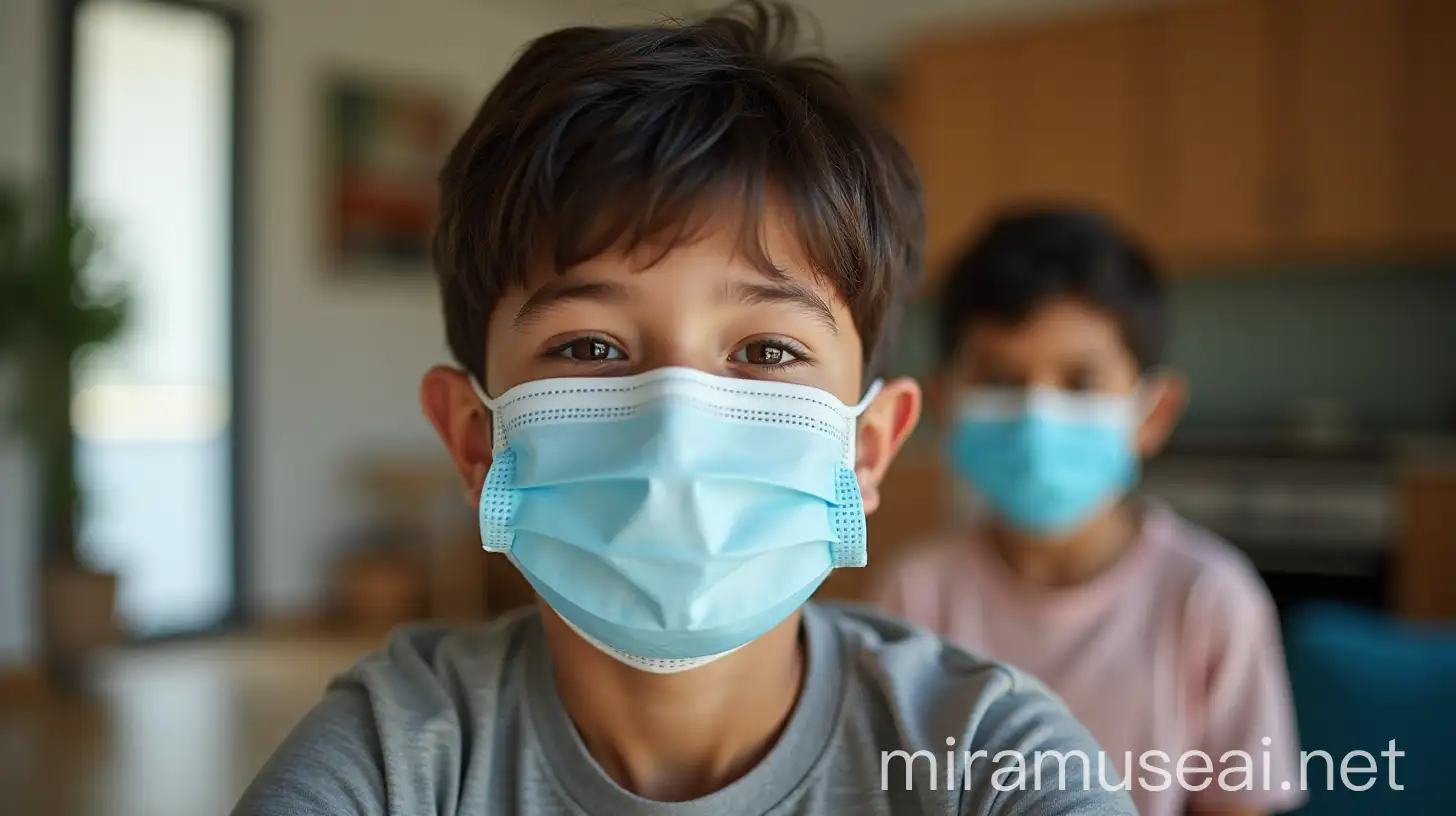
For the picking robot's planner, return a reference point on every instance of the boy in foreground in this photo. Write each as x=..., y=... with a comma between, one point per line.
x=1160, y=636
x=670, y=260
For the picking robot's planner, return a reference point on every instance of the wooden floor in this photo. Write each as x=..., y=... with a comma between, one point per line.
x=174, y=730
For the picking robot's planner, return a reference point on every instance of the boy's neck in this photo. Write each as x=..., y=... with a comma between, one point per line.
x=1072, y=559
x=676, y=737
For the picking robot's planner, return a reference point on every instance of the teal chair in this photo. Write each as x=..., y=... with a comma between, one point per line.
x=1361, y=680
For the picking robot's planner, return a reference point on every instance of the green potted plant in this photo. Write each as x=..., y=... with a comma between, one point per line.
x=51, y=313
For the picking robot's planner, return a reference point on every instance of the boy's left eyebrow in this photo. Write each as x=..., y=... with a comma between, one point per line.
x=561, y=290
x=785, y=291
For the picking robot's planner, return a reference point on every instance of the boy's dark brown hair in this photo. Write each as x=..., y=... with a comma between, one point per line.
x=1029, y=256
x=606, y=138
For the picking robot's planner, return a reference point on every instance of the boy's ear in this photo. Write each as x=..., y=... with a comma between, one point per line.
x=1165, y=396
x=883, y=428
x=461, y=422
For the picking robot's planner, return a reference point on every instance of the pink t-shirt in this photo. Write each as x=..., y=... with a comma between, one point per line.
x=1175, y=648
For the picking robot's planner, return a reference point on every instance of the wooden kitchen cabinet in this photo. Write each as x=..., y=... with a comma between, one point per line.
x=1281, y=128
x=1210, y=163
x=1218, y=131
x=1425, y=561
x=1429, y=156
x=1338, y=94
x=952, y=93
x=1077, y=120
x=1025, y=116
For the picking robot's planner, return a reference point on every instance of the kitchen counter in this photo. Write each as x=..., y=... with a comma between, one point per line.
x=1318, y=518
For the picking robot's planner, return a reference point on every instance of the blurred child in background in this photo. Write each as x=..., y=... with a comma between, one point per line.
x=1158, y=635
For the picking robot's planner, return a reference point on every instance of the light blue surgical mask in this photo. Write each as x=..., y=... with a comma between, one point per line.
x=673, y=516
x=1045, y=460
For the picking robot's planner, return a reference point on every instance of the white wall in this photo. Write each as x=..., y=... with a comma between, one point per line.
x=24, y=119
x=335, y=366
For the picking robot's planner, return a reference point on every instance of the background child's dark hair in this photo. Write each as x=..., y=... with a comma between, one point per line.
x=1028, y=257
x=603, y=138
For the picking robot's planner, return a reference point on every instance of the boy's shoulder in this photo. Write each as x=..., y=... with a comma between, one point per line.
x=929, y=682
x=431, y=690
x=941, y=700
x=925, y=566
x=1219, y=581
x=876, y=639
x=442, y=644
x=429, y=671
x=1198, y=551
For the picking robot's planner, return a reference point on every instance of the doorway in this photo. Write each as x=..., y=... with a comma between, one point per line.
x=151, y=153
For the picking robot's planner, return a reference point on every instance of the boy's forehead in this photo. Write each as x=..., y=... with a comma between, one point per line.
x=1061, y=322
x=683, y=278
x=721, y=248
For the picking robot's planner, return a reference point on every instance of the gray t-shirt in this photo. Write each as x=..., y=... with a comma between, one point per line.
x=467, y=721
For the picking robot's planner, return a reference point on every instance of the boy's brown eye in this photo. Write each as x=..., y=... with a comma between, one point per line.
x=589, y=349
x=769, y=354
x=1086, y=377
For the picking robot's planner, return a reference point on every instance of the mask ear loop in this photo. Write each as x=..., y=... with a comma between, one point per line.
x=855, y=411
x=496, y=440
x=869, y=397
x=480, y=393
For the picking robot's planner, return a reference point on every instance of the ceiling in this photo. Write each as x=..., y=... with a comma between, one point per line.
x=862, y=34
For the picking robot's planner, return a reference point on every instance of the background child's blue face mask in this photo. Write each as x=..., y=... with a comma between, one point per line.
x=673, y=516
x=1046, y=460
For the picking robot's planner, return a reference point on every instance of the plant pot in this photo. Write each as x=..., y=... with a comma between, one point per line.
x=79, y=616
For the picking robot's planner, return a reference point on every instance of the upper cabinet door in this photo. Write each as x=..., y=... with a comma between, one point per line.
x=1429, y=158
x=1074, y=118
x=1338, y=86
x=950, y=103
x=1209, y=164
x=1218, y=131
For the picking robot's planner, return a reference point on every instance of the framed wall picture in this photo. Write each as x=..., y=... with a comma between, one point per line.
x=385, y=146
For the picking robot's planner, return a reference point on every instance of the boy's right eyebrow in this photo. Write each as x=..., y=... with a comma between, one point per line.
x=562, y=290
